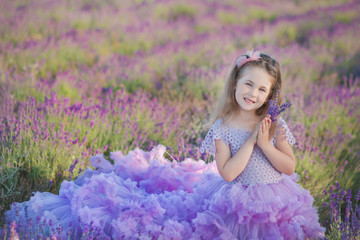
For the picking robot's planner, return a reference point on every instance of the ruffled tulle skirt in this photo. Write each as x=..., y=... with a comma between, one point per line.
x=145, y=196
x=263, y=211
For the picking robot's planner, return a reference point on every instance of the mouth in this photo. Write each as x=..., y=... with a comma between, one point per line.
x=248, y=101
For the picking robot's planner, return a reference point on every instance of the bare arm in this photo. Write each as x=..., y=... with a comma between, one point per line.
x=230, y=167
x=281, y=156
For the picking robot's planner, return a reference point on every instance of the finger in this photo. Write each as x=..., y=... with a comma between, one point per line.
x=265, y=124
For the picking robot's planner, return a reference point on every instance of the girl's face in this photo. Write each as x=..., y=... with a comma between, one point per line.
x=253, y=88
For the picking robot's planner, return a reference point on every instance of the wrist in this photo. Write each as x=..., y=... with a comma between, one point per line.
x=265, y=146
x=250, y=142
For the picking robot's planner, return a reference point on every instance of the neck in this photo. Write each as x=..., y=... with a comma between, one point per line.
x=246, y=116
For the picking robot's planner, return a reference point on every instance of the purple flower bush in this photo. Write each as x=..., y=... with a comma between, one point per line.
x=344, y=216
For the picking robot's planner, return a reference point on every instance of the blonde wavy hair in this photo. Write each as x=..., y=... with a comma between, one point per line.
x=227, y=104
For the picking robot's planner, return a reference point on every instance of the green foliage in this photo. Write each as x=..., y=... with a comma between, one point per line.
x=176, y=11
x=129, y=47
x=132, y=85
x=65, y=90
x=203, y=28
x=334, y=232
x=84, y=25
x=8, y=182
x=231, y=18
x=121, y=45
x=21, y=94
x=329, y=129
x=262, y=14
x=254, y=13
x=314, y=175
x=260, y=39
x=286, y=34
x=346, y=17
x=55, y=59
x=62, y=58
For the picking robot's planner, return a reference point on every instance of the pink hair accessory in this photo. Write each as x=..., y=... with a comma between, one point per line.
x=249, y=56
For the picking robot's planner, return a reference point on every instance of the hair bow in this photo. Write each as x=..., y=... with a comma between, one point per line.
x=249, y=56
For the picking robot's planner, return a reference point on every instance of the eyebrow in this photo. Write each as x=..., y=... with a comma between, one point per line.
x=253, y=83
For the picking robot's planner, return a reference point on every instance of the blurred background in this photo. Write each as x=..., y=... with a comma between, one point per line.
x=79, y=78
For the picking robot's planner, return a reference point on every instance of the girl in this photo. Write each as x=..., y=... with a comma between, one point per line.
x=253, y=154
x=242, y=195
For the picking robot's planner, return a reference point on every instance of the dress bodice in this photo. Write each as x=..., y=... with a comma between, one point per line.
x=259, y=169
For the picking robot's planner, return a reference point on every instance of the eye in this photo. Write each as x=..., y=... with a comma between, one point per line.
x=262, y=89
x=248, y=84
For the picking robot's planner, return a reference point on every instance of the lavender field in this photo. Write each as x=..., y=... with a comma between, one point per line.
x=80, y=78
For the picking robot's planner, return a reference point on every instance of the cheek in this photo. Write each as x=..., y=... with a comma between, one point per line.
x=238, y=96
x=263, y=97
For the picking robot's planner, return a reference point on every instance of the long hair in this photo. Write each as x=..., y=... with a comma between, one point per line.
x=227, y=104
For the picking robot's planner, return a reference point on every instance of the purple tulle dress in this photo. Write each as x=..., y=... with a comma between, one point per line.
x=145, y=196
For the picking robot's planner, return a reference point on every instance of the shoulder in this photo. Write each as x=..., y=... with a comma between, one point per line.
x=216, y=132
x=218, y=124
x=218, y=121
x=282, y=125
x=218, y=127
x=281, y=122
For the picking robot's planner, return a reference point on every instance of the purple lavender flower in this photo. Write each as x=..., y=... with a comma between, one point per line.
x=357, y=196
x=274, y=109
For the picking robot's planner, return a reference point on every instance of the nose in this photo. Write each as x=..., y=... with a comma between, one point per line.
x=252, y=92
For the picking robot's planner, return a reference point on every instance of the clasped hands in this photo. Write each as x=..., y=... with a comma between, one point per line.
x=260, y=135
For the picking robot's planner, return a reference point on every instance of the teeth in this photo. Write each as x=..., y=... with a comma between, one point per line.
x=248, y=100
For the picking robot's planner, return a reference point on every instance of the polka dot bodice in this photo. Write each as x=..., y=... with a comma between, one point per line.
x=258, y=169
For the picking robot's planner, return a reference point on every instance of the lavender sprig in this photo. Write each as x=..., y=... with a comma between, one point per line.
x=274, y=109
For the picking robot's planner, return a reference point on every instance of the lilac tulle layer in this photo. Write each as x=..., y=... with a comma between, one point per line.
x=263, y=211
x=145, y=196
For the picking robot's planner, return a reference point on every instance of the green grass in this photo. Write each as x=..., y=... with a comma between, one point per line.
x=346, y=17
x=173, y=12
x=286, y=34
x=262, y=14
x=231, y=18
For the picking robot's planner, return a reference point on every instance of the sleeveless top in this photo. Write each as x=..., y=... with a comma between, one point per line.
x=258, y=169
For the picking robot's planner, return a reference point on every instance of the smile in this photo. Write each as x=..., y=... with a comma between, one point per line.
x=248, y=101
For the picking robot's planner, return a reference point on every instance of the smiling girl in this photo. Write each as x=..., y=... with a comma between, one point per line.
x=259, y=199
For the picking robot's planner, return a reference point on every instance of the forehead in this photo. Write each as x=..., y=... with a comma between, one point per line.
x=257, y=75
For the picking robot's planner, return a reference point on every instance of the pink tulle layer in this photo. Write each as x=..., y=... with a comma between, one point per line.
x=145, y=196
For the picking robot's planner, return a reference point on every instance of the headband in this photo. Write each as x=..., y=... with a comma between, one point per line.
x=250, y=56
